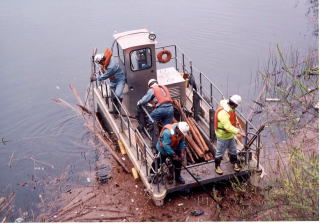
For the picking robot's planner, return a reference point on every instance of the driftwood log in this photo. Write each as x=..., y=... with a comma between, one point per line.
x=195, y=139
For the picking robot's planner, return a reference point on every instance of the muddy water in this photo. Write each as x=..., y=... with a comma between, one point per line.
x=45, y=45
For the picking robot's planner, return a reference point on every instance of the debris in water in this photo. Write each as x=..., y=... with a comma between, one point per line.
x=58, y=87
x=40, y=196
x=273, y=99
x=10, y=161
x=18, y=220
x=132, y=200
x=3, y=141
x=23, y=184
x=68, y=188
x=180, y=204
x=102, y=173
x=197, y=212
x=88, y=179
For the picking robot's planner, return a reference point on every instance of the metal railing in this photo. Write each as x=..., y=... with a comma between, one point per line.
x=143, y=151
x=207, y=91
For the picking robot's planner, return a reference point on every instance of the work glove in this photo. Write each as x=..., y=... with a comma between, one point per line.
x=241, y=134
x=93, y=78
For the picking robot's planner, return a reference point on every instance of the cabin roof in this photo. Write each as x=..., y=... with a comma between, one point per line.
x=133, y=38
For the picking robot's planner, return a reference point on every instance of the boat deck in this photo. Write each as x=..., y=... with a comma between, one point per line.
x=205, y=174
x=140, y=157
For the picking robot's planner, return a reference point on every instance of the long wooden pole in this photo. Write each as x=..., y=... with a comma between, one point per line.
x=113, y=153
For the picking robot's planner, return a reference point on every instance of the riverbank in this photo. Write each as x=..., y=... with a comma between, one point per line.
x=124, y=199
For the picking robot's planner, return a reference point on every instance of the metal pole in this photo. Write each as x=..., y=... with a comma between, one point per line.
x=200, y=78
x=258, y=152
x=183, y=69
x=211, y=125
x=147, y=113
x=129, y=132
x=137, y=148
x=211, y=94
x=175, y=56
x=245, y=143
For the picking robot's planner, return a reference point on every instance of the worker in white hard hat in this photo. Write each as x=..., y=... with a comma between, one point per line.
x=226, y=127
x=172, y=143
x=112, y=71
x=159, y=97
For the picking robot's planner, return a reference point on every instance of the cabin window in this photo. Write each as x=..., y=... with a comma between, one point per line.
x=140, y=59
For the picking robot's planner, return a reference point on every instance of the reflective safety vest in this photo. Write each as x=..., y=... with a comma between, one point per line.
x=107, y=55
x=232, y=118
x=174, y=139
x=161, y=93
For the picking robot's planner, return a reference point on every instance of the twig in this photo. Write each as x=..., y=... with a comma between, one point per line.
x=10, y=161
x=76, y=94
x=46, y=164
x=104, y=218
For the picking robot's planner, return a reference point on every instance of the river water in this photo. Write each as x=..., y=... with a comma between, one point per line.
x=46, y=45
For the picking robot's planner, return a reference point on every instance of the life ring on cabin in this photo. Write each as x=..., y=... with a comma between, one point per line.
x=167, y=57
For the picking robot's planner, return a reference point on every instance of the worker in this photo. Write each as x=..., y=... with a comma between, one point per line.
x=160, y=98
x=110, y=69
x=226, y=127
x=172, y=143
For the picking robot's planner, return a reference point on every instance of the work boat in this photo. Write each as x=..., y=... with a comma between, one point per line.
x=195, y=97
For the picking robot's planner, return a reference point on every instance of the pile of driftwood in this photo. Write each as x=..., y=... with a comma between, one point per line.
x=6, y=207
x=197, y=148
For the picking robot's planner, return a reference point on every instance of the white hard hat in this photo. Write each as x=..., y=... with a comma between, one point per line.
x=184, y=127
x=151, y=82
x=98, y=57
x=236, y=99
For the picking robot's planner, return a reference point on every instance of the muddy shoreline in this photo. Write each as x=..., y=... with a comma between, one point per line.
x=124, y=199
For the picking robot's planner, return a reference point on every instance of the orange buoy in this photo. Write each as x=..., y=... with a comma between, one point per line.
x=167, y=57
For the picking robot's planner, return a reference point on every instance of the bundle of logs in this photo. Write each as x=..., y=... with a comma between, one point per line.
x=197, y=148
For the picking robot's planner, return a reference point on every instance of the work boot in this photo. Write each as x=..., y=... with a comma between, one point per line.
x=217, y=162
x=179, y=178
x=236, y=167
x=235, y=162
x=114, y=106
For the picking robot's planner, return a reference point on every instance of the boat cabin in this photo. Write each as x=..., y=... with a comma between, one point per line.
x=137, y=57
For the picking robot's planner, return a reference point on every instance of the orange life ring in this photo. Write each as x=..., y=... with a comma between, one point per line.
x=167, y=57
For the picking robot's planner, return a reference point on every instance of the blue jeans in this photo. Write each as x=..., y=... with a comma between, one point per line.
x=163, y=114
x=118, y=87
x=223, y=145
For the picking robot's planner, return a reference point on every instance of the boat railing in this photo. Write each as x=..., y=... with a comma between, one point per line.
x=204, y=87
x=207, y=91
x=143, y=152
